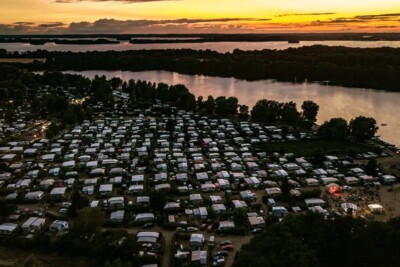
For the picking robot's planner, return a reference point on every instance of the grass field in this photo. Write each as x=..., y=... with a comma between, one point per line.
x=12, y=257
x=306, y=148
x=21, y=60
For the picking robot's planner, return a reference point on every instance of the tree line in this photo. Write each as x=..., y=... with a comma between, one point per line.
x=16, y=85
x=377, y=68
x=310, y=240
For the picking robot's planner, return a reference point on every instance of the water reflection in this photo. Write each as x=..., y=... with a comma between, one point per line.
x=334, y=101
x=216, y=46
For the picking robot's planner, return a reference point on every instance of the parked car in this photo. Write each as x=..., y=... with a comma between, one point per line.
x=256, y=231
x=63, y=211
x=218, y=261
x=191, y=229
x=66, y=205
x=228, y=247
x=221, y=253
x=226, y=242
x=180, y=229
x=147, y=225
x=182, y=254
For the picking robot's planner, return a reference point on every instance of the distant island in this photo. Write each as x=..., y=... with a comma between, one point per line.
x=42, y=41
x=194, y=38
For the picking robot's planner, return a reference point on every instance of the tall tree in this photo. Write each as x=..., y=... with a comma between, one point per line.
x=335, y=129
x=310, y=112
x=232, y=104
x=266, y=111
x=209, y=106
x=200, y=103
x=244, y=112
x=239, y=217
x=289, y=113
x=363, y=128
x=221, y=107
x=371, y=167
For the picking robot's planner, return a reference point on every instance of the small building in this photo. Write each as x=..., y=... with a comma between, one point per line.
x=279, y=212
x=351, y=180
x=59, y=226
x=312, y=182
x=33, y=224
x=136, y=189
x=252, y=182
x=375, y=208
x=58, y=192
x=388, y=179
x=207, y=187
x=196, y=199
x=199, y=257
x=117, y=216
x=106, y=189
x=201, y=176
x=8, y=228
x=256, y=222
x=311, y=202
x=239, y=204
x=201, y=213
x=159, y=187
x=196, y=240
x=144, y=217
x=34, y=196
x=147, y=237
x=226, y=226
x=116, y=202
x=218, y=208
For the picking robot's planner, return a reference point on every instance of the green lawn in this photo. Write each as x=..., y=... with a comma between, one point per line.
x=306, y=148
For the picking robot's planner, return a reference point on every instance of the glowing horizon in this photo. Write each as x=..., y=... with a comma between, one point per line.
x=197, y=16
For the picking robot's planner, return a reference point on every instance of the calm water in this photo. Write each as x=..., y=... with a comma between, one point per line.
x=334, y=101
x=219, y=46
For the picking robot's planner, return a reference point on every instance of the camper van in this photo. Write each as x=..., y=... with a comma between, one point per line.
x=211, y=241
x=271, y=202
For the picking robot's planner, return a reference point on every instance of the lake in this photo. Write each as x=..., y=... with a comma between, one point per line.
x=222, y=47
x=334, y=101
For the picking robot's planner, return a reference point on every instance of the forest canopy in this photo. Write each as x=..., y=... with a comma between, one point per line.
x=311, y=240
x=377, y=68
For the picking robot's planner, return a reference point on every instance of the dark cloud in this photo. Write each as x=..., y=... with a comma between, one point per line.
x=132, y=26
x=385, y=27
x=51, y=25
x=121, y=1
x=343, y=20
x=23, y=23
x=391, y=17
x=306, y=14
x=379, y=16
x=183, y=25
x=14, y=28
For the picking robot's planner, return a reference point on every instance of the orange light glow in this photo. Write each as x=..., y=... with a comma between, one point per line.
x=40, y=16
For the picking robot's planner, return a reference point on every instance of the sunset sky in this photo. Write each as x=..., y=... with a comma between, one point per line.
x=198, y=16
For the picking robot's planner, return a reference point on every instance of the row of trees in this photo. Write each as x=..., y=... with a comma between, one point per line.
x=270, y=111
x=265, y=111
x=360, y=128
x=56, y=104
